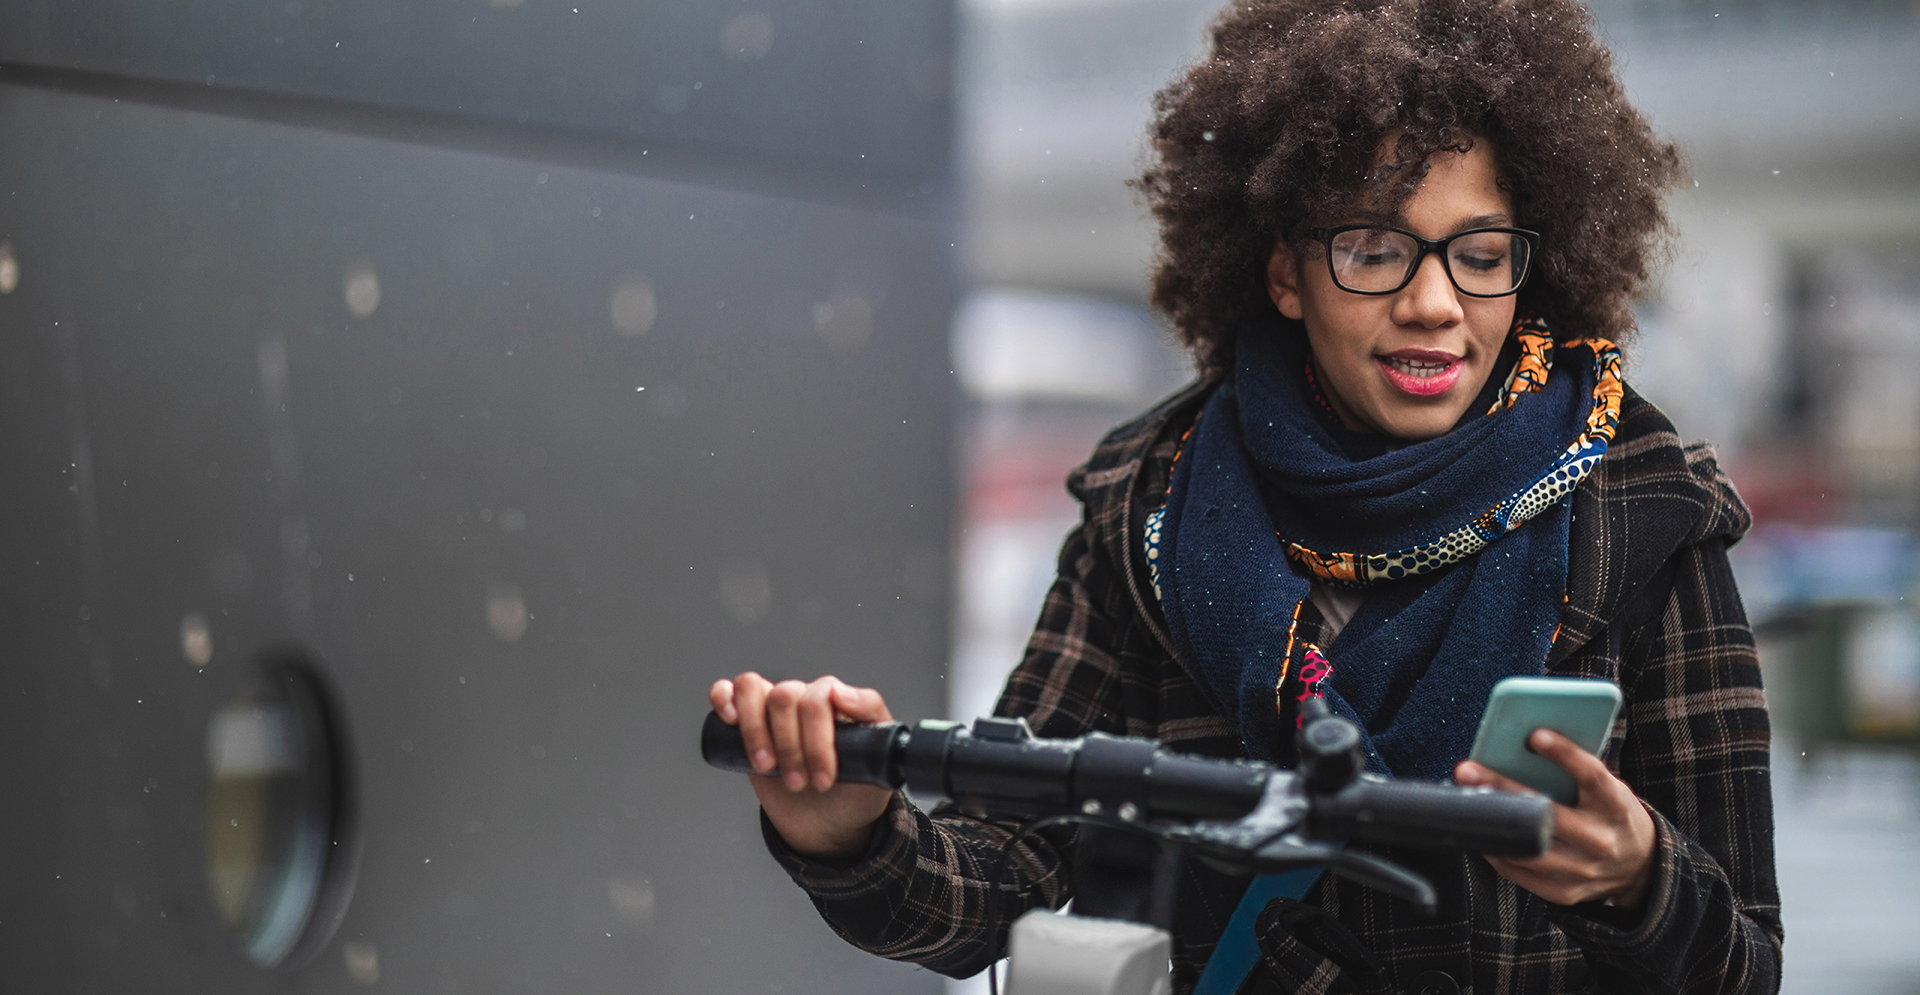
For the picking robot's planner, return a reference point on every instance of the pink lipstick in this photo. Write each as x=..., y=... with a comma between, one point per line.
x=1421, y=372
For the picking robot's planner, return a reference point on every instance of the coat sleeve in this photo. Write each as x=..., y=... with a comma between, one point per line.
x=920, y=891
x=1696, y=754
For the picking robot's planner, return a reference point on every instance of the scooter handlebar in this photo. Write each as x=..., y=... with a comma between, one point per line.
x=1000, y=768
x=1434, y=817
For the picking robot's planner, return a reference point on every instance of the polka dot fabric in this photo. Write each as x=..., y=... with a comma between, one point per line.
x=1155, y=519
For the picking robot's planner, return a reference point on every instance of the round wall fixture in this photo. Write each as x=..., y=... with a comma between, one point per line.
x=282, y=849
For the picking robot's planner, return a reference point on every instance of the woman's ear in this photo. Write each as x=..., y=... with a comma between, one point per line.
x=1283, y=281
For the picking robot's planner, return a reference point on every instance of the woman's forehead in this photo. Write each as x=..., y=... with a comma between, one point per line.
x=1460, y=190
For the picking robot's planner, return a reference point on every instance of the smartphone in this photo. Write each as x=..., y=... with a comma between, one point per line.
x=1579, y=708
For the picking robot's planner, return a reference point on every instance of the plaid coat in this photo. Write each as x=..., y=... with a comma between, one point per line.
x=1651, y=605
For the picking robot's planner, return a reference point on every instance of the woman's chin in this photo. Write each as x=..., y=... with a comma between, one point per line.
x=1428, y=421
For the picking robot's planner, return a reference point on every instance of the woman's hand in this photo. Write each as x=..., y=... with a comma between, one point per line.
x=1602, y=850
x=787, y=729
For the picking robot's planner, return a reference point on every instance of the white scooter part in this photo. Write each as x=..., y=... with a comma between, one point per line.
x=1052, y=954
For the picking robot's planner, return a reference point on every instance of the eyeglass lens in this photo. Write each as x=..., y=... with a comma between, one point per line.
x=1378, y=260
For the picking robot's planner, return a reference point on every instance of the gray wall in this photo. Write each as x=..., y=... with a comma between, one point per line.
x=518, y=569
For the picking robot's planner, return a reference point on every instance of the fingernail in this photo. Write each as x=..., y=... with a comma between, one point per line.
x=762, y=760
x=822, y=782
x=795, y=780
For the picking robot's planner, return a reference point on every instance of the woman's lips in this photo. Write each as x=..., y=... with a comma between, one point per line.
x=1421, y=373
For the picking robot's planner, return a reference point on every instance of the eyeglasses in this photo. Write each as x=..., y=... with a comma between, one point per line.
x=1481, y=262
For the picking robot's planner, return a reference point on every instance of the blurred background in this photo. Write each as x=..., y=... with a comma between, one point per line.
x=411, y=408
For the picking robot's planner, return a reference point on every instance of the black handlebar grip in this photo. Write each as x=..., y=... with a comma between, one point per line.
x=866, y=751
x=721, y=746
x=1436, y=817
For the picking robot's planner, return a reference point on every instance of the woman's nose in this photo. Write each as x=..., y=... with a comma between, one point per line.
x=1430, y=300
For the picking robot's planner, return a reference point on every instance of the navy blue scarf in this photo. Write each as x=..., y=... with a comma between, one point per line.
x=1459, y=541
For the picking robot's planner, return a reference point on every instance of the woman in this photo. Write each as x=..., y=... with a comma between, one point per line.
x=1401, y=238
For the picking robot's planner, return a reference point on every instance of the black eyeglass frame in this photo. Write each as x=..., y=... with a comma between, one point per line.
x=1325, y=236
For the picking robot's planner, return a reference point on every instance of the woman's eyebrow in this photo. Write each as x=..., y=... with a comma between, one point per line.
x=1397, y=220
x=1484, y=221
x=1400, y=221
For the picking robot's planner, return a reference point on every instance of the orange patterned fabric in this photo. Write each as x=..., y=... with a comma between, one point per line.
x=1536, y=361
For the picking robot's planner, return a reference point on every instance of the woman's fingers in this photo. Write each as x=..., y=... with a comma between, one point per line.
x=860, y=704
x=720, y=696
x=750, y=708
x=826, y=702
x=1591, y=776
x=1472, y=775
x=789, y=726
x=783, y=720
x=816, y=732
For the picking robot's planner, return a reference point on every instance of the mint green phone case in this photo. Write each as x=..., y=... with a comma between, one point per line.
x=1579, y=708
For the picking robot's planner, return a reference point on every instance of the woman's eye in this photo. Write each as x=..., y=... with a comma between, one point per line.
x=1379, y=257
x=1480, y=263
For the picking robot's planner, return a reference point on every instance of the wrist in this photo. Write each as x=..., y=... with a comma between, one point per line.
x=1634, y=894
x=831, y=845
x=834, y=827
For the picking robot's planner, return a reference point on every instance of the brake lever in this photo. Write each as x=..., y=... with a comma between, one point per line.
x=1362, y=868
x=1266, y=841
x=1282, y=809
